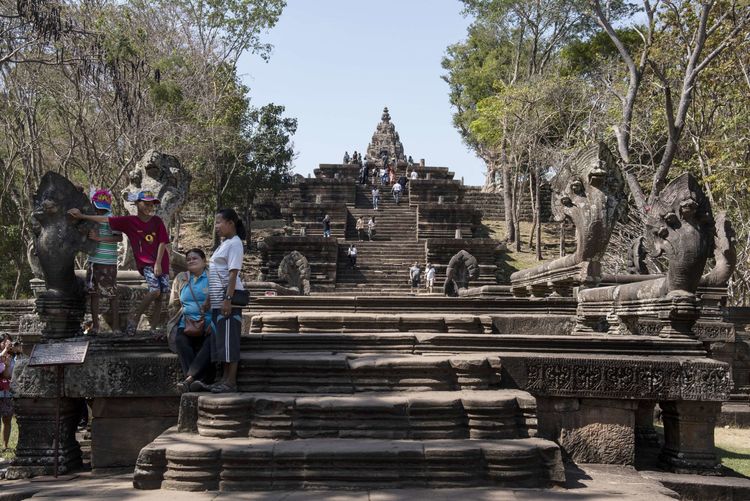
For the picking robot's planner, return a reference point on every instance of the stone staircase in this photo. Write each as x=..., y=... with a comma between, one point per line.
x=342, y=417
x=381, y=266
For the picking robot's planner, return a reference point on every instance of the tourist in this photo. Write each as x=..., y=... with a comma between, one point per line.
x=414, y=273
x=414, y=174
x=383, y=176
x=402, y=181
x=355, y=157
x=392, y=174
x=326, y=226
x=223, y=282
x=360, y=228
x=429, y=276
x=190, y=308
x=346, y=157
x=410, y=161
x=101, y=267
x=374, y=175
x=7, y=363
x=363, y=174
x=371, y=228
x=375, y=197
x=396, y=191
x=148, y=238
x=352, y=253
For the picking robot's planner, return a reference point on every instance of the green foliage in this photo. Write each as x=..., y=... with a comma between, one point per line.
x=585, y=57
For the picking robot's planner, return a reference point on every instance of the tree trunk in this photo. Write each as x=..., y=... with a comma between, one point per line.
x=538, y=216
x=510, y=227
x=532, y=201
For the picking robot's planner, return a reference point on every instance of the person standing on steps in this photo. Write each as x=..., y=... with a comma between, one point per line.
x=223, y=281
x=396, y=190
x=360, y=228
x=326, y=226
x=371, y=228
x=352, y=253
x=414, y=273
x=346, y=157
x=375, y=197
x=429, y=276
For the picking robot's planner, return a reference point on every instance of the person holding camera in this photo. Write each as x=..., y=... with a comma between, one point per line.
x=7, y=363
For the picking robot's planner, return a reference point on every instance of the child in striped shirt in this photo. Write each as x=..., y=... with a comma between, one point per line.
x=101, y=267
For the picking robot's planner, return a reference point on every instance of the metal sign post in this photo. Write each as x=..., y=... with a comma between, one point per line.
x=58, y=355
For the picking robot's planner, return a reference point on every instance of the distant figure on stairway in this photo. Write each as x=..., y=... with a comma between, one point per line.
x=352, y=253
x=384, y=176
x=402, y=181
x=429, y=276
x=414, y=174
x=360, y=228
x=410, y=161
x=371, y=228
x=327, y=226
x=396, y=191
x=414, y=274
x=355, y=158
x=392, y=174
x=346, y=157
x=364, y=173
x=375, y=197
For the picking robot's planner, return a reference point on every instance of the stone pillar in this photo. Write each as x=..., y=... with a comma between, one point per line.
x=36, y=437
x=689, y=437
x=590, y=430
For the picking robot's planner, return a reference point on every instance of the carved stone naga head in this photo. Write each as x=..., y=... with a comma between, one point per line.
x=590, y=191
x=57, y=238
x=680, y=228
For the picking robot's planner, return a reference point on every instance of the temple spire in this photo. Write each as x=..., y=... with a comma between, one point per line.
x=385, y=140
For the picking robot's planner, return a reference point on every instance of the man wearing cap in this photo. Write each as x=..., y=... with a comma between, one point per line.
x=148, y=238
x=101, y=267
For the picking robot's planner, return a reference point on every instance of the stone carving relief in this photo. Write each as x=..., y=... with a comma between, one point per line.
x=679, y=228
x=462, y=268
x=295, y=271
x=57, y=240
x=589, y=191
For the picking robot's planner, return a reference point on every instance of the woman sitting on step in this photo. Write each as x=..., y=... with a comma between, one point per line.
x=190, y=318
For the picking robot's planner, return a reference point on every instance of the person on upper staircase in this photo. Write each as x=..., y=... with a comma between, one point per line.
x=346, y=157
x=396, y=191
x=371, y=228
x=360, y=228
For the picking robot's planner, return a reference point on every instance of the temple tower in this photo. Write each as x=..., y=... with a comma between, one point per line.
x=385, y=140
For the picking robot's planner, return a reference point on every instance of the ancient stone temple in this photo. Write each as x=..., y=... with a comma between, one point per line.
x=346, y=381
x=385, y=140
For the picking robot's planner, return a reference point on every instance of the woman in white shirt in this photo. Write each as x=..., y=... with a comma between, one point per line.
x=223, y=281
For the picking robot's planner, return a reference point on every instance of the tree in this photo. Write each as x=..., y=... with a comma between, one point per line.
x=694, y=26
x=508, y=43
x=267, y=159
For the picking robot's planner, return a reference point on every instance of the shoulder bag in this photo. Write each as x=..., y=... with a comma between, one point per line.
x=194, y=327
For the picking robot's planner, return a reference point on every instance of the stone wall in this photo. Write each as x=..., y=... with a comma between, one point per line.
x=441, y=220
x=491, y=205
x=320, y=252
x=310, y=217
x=423, y=191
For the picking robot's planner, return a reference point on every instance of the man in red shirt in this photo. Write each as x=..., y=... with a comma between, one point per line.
x=148, y=238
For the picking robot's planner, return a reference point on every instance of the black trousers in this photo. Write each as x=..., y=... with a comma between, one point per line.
x=194, y=353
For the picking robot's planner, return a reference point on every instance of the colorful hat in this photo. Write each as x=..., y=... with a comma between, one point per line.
x=102, y=199
x=146, y=196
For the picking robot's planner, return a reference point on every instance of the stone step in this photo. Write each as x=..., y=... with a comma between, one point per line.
x=188, y=462
x=338, y=373
x=389, y=321
x=498, y=414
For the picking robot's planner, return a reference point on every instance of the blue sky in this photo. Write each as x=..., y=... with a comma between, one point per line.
x=337, y=63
